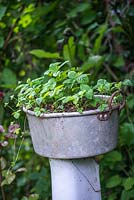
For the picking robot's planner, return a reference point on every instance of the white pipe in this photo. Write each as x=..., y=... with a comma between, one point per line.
x=76, y=179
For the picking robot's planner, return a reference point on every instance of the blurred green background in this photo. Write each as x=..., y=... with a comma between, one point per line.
x=98, y=37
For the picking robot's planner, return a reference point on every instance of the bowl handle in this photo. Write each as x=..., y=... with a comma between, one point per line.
x=121, y=105
x=106, y=114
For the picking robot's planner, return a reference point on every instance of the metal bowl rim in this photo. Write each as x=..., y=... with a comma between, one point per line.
x=72, y=114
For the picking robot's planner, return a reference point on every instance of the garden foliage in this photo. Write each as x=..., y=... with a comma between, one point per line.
x=98, y=37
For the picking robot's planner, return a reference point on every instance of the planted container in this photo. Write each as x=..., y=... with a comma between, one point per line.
x=75, y=135
x=68, y=116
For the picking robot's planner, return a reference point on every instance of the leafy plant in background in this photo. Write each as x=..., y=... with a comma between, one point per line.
x=8, y=175
x=102, y=38
x=9, y=169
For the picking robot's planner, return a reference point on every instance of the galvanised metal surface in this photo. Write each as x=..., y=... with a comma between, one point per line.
x=73, y=135
x=76, y=179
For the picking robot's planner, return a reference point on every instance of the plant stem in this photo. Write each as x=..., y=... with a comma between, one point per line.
x=3, y=193
x=14, y=151
x=2, y=188
x=19, y=150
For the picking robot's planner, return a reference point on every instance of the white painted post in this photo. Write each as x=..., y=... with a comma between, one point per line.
x=76, y=179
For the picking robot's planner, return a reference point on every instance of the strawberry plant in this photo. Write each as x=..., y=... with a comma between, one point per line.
x=63, y=89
